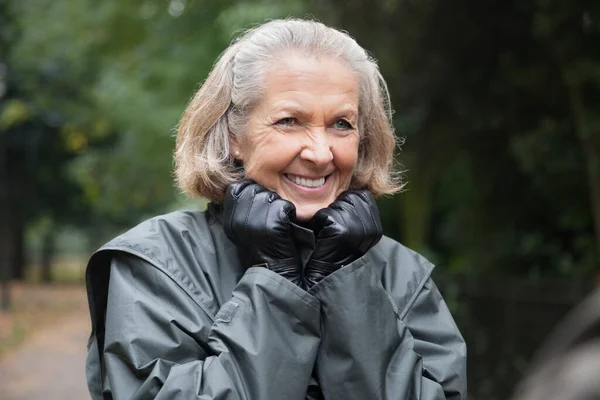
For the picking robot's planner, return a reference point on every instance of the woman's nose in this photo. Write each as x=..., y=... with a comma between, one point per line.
x=317, y=149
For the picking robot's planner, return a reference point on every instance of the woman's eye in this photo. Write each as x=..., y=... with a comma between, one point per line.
x=289, y=121
x=343, y=125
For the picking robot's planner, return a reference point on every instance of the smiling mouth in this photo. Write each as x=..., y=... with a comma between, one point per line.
x=306, y=182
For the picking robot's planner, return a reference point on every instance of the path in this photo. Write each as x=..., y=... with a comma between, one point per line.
x=51, y=364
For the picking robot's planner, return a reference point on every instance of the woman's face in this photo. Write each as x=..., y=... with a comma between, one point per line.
x=302, y=138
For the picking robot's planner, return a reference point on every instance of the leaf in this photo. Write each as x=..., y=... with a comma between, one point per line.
x=15, y=112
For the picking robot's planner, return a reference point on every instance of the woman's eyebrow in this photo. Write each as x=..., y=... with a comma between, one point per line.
x=287, y=106
x=293, y=108
x=346, y=111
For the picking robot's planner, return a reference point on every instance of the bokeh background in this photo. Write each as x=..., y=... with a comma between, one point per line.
x=497, y=103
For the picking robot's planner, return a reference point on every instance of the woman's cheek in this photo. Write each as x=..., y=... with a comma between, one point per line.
x=347, y=156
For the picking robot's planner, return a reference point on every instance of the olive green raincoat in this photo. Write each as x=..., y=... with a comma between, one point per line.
x=176, y=316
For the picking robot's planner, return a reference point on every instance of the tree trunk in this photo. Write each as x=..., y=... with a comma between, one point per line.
x=589, y=141
x=47, y=256
x=416, y=206
x=18, y=259
x=590, y=148
x=5, y=273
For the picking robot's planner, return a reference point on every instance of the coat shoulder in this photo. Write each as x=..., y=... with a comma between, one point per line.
x=189, y=247
x=159, y=238
x=405, y=271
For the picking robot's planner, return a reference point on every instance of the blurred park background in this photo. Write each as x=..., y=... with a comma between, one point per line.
x=497, y=101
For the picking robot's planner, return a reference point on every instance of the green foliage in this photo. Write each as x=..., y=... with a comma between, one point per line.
x=499, y=116
x=498, y=104
x=119, y=76
x=13, y=113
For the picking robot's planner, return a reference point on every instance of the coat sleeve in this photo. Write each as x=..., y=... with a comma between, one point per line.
x=159, y=345
x=373, y=348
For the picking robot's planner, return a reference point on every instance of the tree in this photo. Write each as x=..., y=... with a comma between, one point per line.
x=482, y=103
x=99, y=95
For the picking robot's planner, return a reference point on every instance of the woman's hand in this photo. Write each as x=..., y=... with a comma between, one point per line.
x=258, y=222
x=345, y=231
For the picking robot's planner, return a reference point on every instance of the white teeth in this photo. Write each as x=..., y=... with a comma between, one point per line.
x=311, y=183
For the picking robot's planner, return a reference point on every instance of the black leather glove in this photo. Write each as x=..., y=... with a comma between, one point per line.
x=258, y=222
x=345, y=231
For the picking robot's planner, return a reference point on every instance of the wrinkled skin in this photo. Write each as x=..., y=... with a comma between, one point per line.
x=305, y=126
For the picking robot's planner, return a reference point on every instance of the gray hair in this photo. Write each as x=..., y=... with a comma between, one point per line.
x=221, y=107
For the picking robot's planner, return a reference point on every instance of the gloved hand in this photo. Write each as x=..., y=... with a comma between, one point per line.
x=345, y=231
x=258, y=222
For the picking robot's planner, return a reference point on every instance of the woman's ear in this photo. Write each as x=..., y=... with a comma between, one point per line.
x=234, y=149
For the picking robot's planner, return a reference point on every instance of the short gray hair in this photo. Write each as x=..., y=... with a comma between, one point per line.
x=221, y=107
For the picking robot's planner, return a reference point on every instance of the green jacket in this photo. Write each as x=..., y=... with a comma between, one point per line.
x=176, y=316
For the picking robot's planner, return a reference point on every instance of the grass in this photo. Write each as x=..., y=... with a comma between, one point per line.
x=67, y=269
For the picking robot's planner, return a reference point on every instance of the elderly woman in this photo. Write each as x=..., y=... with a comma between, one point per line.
x=285, y=287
